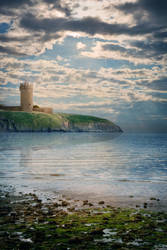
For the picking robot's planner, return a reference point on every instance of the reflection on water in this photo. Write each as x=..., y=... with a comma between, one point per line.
x=87, y=163
x=20, y=140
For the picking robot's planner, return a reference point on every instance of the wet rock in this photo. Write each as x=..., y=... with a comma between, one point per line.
x=25, y=245
x=85, y=202
x=105, y=218
x=4, y=211
x=101, y=202
x=97, y=231
x=138, y=217
x=41, y=219
x=4, y=234
x=71, y=209
x=75, y=240
x=38, y=205
x=65, y=203
x=38, y=236
x=90, y=204
x=117, y=245
x=52, y=222
x=153, y=199
x=56, y=204
x=62, y=213
x=8, y=219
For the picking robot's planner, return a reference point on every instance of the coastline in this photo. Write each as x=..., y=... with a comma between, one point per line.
x=20, y=121
x=150, y=203
x=80, y=215
x=65, y=223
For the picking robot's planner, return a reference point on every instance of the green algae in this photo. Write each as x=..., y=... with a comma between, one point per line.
x=27, y=223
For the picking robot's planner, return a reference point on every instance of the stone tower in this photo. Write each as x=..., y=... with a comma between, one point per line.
x=26, y=97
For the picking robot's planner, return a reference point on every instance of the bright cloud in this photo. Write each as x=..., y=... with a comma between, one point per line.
x=81, y=46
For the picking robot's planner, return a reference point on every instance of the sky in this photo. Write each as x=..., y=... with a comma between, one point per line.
x=105, y=58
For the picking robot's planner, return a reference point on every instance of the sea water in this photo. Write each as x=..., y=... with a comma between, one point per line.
x=91, y=164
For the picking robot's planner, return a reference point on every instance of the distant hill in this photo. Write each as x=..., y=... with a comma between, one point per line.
x=17, y=121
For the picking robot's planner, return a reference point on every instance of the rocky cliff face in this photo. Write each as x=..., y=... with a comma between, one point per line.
x=7, y=125
x=92, y=127
x=36, y=122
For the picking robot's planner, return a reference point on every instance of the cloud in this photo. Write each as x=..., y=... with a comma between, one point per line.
x=45, y=27
x=13, y=4
x=53, y=80
x=147, y=12
x=59, y=5
x=9, y=5
x=21, y=41
x=159, y=84
x=155, y=8
x=117, y=52
x=80, y=46
x=11, y=51
x=87, y=25
x=148, y=48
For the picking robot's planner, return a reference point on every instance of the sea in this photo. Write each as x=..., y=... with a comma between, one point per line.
x=89, y=165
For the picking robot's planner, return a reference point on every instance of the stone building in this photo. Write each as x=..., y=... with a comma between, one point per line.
x=26, y=101
x=26, y=97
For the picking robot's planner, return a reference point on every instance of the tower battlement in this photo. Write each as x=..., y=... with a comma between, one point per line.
x=26, y=85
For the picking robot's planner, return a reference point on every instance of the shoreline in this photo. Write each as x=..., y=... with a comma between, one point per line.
x=151, y=203
x=65, y=223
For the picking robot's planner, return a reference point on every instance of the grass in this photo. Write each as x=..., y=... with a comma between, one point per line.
x=35, y=120
x=38, y=121
x=75, y=118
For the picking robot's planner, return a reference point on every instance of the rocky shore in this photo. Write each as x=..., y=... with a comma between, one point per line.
x=26, y=222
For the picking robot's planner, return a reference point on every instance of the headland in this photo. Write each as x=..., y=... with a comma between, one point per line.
x=20, y=121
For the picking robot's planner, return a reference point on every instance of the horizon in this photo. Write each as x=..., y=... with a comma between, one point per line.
x=101, y=58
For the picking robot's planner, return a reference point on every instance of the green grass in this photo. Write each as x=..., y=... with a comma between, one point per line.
x=75, y=118
x=38, y=121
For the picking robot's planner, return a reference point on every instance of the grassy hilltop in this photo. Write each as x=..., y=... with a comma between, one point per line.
x=38, y=121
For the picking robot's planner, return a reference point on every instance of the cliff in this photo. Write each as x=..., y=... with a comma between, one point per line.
x=16, y=121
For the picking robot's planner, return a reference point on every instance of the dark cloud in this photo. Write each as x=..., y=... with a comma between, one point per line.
x=126, y=53
x=88, y=25
x=160, y=84
x=141, y=49
x=58, y=5
x=7, y=6
x=114, y=47
x=10, y=51
x=147, y=12
x=160, y=35
x=156, y=9
x=13, y=4
x=5, y=38
x=151, y=48
x=153, y=7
